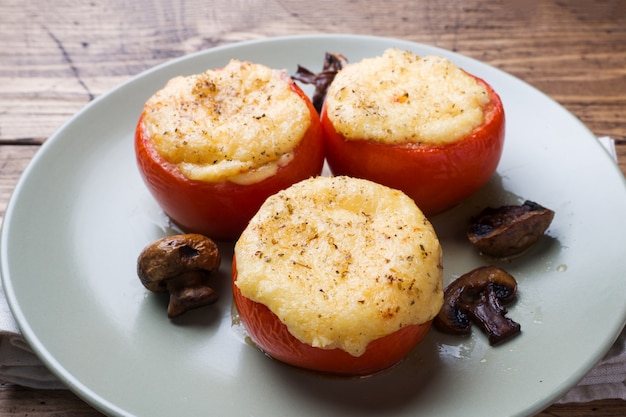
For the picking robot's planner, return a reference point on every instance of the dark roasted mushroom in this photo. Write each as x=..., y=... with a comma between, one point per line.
x=180, y=265
x=479, y=296
x=333, y=63
x=509, y=230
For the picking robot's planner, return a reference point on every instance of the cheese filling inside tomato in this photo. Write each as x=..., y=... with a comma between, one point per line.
x=240, y=123
x=341, y=262
x=400, y=97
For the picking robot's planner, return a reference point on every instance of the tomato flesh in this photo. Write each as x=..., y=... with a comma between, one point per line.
x=273, y=338
x=436, y=177
x=221, y=210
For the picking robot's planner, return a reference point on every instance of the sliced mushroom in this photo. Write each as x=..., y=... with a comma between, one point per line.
x=180, y=265
x=333, y=63
x=509, y=230
x=479, y=296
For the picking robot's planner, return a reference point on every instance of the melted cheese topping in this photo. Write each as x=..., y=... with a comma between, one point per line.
x=239, y=123
x=341, y=261
x=400, y=97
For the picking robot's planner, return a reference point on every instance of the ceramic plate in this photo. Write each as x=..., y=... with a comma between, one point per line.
x=80, y=215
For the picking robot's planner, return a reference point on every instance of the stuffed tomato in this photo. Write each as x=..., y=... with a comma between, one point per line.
x=273, y=338
x=212, y=147
x=338, y=275
x=421, y=125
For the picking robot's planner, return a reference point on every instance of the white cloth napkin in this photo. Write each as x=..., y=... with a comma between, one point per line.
x=19, y=365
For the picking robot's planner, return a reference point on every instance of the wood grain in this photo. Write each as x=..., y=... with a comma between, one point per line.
x=70, y=52
x=16, y=401
x=56, y=57
x=19, y=401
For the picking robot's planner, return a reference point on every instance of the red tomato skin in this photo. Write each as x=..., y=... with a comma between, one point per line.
x=274, y=339
x=436, y=177
x=221, y=210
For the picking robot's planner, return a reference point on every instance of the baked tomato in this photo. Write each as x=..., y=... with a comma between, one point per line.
x=274, y=339
x=221, y=209
x=437, y=177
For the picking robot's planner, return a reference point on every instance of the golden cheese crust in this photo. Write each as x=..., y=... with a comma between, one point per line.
x=239, y=123
x=342, y=262
x=400, y=97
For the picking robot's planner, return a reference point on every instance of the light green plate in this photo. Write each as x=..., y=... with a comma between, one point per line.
x=80, y=215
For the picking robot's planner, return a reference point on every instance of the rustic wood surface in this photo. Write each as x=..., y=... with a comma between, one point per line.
x=55, y=57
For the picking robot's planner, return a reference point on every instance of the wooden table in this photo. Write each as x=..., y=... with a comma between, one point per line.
x=57, y=56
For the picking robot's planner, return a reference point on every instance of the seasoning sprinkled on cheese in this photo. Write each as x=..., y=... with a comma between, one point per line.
x=400, y=97
x=342, y=262
x=239, y=123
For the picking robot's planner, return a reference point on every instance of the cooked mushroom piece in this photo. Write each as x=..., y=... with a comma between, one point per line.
x=479, y=296
x=509, y=230
x=333, y=63
x=180, y=265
